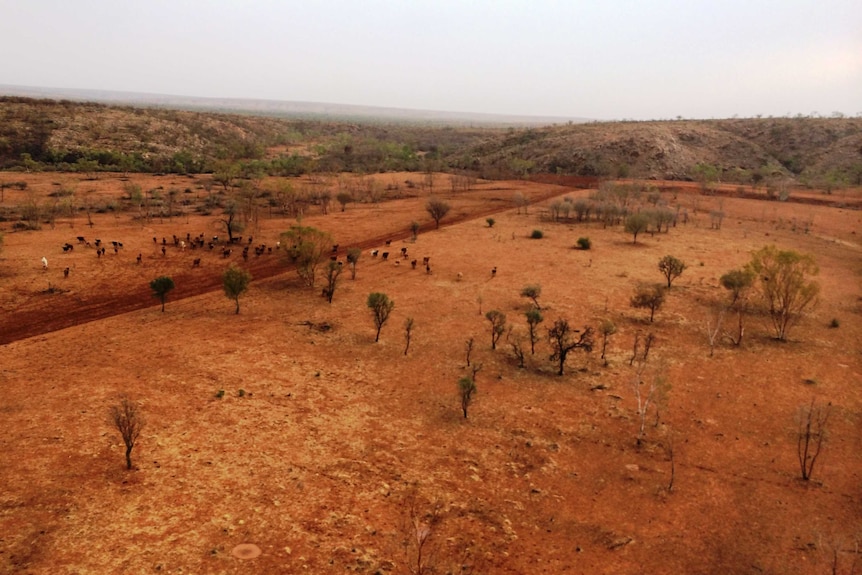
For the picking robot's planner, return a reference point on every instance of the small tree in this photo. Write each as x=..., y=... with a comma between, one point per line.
x=307, y=248
x=787, y=291
x=650, y=297
x=532, y=292
x=498, y=325
x=607, y=329
x=161, y=286
x=438, y=209
x=584, y=243
x=408, y=333
x=353, y=255
x=129, y=422
x=333, y=270
x=635, y=224
x=564, y=339
x=468, y=349
x=466, y=389
x=811, y=432
x=381, y=306
x=235, y=282
x=516, y=342
x=534, y=318
x=490, y=222
x=414, y=230
x=344, y=198
x=671, y=268
x=737, y=282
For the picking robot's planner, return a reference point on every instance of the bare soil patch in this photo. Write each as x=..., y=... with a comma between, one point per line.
x=328, y=451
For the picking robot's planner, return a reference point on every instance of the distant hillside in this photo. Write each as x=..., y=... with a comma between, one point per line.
x=286, y=109
x=66, y=135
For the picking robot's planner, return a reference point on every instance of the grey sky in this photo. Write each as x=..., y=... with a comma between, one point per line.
x=598, y=59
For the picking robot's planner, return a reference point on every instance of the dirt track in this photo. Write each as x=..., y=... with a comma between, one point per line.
x=34, y=320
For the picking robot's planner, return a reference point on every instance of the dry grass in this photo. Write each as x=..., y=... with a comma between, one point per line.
x=337, y=438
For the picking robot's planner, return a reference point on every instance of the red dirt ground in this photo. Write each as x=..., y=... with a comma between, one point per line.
x=335, y=439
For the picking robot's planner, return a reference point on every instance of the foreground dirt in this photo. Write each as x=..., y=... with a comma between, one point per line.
x=324, y=441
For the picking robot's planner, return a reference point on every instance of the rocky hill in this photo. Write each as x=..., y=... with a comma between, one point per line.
x=65, y=135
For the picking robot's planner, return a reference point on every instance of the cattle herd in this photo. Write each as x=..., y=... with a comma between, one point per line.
x=202, y=243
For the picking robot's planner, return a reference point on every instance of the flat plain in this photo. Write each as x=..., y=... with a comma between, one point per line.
x=333, y=453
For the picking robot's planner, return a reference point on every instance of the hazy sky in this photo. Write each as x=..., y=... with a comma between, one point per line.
x=601, y=59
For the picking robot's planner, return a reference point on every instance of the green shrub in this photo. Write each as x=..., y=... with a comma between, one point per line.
x=490, y=222
x=220, y=394
x=537, y=235
x=834, y=323
x=584, y=243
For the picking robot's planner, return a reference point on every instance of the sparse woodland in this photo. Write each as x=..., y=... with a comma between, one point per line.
x=611, y=395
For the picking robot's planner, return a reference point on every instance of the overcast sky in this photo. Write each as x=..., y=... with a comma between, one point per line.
x=600, y=59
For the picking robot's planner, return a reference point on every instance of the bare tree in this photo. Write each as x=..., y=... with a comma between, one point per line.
x=438, y=209
x=712, y=332
x=516, y=342
x=307, y=247
x=129, y=422
x=607, y=329
x=650, y=297
x=408, y=333
x=564, y=339
x=468, y=348
x=498, y=325
x=333, y=270
x=811, y=433
x=466, y=389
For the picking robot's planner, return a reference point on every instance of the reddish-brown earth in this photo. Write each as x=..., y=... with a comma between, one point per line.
x=335, y=438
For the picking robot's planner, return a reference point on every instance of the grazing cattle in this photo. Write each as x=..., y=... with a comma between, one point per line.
x=164, y=251
x=385, y=256
x=397, y=263
x=117, y=245
x=196, y=263
x=215, y=239
x=269, y=250
x=226, y=252
x=404, y=253
x=66, y=273
x=155, y=241
x=335, y=249
x=81, y=239
x=374, y=253
x=99, y=253
x=98, y=242
x=278, y=245
x=494, y=271
x=460, y=276
x=250, y=240
x=182, y=245
x=335, y=258
x=427, y=269
x=388, y=242
x=164, y=241
x=413, y=264
x=44, y=263
x=245, y=253
x=139, y=258
x=68, y=247
x=425, y=260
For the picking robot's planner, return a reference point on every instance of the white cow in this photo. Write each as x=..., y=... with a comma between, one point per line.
x=44, y=263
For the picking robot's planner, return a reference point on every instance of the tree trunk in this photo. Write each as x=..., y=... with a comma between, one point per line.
x=128, y=457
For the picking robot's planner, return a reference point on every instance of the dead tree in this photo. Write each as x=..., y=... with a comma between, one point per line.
x=564, y=339
x=129, y=422
x=811, y=433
